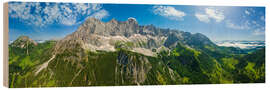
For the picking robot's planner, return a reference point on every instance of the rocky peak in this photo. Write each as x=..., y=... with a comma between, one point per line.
x=202, y=39
x=132, y=20
x=23, y=42
x=110, y=28
x=113, y=21
x=97, y=35
x=91, y=20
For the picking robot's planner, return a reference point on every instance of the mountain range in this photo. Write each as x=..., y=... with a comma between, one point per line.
x=126, y=53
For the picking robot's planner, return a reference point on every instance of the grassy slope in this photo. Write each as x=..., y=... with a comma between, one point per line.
x=20, y=64
x=180, y=66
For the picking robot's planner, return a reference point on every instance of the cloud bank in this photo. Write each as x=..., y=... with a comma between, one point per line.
x=210, y=14
x=42, y=14
x=169, y=12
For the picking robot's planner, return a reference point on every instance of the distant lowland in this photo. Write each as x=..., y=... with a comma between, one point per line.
x=244, y=44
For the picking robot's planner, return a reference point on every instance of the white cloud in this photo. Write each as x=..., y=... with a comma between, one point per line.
x=100, y=14
x=259, y=31
x=254, y=22
x=169, y=12
x=210, y=14
x=239, y=44
x=215, y=14
x=49, y=13
x=262, y=18
x=20, y=9
x=247, y=25
x=68, y=20
x=243, y=26
x=247, y=12
x=202, y=17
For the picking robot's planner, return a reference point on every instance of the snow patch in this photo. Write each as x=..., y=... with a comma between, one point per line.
x=44, y=65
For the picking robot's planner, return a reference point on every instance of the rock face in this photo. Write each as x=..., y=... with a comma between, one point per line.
x=95, y=35
x=129, y=68
x=125, y=67
x=23, y=42
x=115, y=53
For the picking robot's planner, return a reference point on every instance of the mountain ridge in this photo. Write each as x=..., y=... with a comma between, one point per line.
x=125, y=53
x=94, y=35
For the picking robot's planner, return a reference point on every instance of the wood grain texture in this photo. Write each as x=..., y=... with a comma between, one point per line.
x=5, y=37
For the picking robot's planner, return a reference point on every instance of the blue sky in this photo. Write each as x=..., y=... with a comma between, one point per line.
x=45, y=21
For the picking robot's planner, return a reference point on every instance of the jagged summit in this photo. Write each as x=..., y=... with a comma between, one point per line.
x=91, y=19
x=132, y=20
x=94, y=35
x=113, y=20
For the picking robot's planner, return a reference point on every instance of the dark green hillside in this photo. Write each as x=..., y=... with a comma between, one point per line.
x=103, y=68
x=21, y=62
x=196, y=66
x=182, y=65
x=252, y=67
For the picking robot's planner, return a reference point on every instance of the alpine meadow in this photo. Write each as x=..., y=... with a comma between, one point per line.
x=88, y=44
